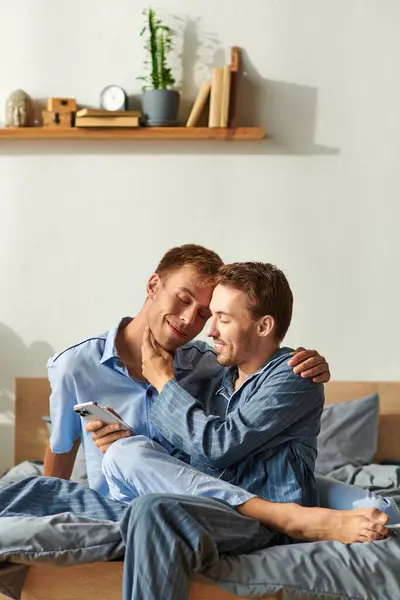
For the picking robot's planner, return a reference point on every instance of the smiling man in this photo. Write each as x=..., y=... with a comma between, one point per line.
x=248, y=438
x=254, y=425
x=107, y=368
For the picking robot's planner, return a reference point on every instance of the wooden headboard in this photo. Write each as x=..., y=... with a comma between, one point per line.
x=32, y=403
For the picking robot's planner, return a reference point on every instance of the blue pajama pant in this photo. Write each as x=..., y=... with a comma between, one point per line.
x=170, y=538
x=137, y=466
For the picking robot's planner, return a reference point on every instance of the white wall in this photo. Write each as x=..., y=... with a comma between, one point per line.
x=82, y=225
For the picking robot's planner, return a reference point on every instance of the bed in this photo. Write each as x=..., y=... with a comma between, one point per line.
x=103, y=580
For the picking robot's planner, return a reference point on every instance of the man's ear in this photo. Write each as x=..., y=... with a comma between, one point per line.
x=265, y=326
x=152, y=286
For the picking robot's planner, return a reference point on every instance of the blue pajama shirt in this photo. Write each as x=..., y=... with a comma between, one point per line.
x=92, y=371
x=260, y=438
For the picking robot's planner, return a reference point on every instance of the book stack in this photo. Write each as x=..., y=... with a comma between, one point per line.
x=219, y=91
x=92, y=117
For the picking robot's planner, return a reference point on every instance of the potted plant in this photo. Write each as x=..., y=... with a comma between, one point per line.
x=159, y=103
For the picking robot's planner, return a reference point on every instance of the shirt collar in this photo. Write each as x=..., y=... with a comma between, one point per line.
x=228, y=380
x=181, y=358
x=231, y=373
x=110, y=351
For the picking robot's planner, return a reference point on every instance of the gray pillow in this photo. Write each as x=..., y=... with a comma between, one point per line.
x=349, y=434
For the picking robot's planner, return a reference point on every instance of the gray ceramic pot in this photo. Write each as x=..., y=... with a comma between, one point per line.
x=160, y=107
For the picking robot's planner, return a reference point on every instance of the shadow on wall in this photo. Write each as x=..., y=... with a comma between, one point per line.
x=288, y=111
x=201, y=51
x=16, y=360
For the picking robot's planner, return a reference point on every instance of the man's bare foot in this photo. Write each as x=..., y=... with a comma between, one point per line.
x=347, y=526
x=318, y=524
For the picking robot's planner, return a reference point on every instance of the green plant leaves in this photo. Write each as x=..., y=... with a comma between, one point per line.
x=158, y=44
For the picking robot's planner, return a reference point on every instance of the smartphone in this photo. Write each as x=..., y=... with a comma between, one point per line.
x=93, y=411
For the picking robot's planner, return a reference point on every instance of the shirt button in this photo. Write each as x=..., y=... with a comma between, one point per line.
x=120, y=364
x=149, y=392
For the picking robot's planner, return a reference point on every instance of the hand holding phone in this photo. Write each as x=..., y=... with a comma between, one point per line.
x=93, y=411
x=106, y=427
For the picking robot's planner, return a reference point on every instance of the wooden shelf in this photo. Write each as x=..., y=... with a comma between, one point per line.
x=140, y=133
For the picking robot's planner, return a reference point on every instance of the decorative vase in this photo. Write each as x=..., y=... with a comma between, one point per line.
x=160, y=108
x=19, y=109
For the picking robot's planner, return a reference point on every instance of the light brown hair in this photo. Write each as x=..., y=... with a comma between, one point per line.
x=267, y=289
x=206, y=262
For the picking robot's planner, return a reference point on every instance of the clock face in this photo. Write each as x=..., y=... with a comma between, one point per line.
x=113, y=97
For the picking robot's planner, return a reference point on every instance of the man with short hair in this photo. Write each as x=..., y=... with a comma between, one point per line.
x=108, y=368
x=256, y=428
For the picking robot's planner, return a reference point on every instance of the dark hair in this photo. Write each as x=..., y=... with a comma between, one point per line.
x=267, y=289
x=206, y=262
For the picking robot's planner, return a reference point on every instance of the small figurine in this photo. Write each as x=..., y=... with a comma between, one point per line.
x=19, y=109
